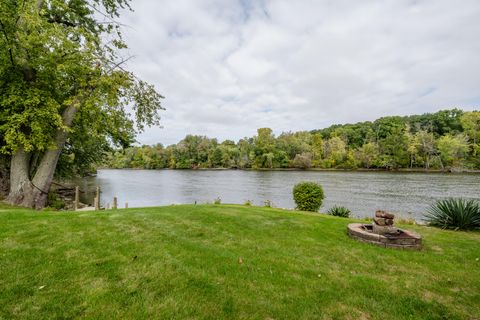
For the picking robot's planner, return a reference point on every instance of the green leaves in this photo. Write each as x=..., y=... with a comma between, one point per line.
x=339, y=211
x=308, y=196
x=452, y=149
x=454, y=213
x=29, y=120
x=54, y=53
x=471, y=124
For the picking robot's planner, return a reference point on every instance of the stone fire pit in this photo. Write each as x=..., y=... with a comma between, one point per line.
x=383, y=233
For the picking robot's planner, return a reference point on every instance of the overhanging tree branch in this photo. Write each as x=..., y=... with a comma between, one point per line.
x=4, y=31
x=58, y=20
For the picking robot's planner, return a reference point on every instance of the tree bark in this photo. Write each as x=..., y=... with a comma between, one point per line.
x=4, y=176
x=33, y=193
x=20, y=186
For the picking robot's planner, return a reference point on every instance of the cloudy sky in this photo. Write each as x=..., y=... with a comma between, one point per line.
x=228, y=67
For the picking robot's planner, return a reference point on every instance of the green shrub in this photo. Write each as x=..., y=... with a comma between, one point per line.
x=303, y=161
x=339, y=211
x=308, y=196
x=248, y=203
x=54, y=201
x=455, y=213
x=217, y=201
x=267, y=204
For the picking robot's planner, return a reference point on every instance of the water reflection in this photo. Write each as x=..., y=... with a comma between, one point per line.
x=407, y=194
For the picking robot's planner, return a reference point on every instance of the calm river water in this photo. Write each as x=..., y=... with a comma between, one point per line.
x=407, y=194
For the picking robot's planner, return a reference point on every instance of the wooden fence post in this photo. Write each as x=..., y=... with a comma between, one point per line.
x=126, y=205
x=77, y=198
x=97, y=199
x=115, y=203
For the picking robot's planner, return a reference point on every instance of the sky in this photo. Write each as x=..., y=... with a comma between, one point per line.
x=228, y=67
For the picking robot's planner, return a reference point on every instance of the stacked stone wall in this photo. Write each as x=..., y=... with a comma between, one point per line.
x=407, y=239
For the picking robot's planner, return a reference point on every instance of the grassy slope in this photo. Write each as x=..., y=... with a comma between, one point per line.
x=184, y=262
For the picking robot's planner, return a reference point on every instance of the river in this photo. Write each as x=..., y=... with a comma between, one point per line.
x=409, y=195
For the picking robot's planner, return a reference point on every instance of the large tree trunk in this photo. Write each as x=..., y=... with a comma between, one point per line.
x=33, y=192
x=20, y=186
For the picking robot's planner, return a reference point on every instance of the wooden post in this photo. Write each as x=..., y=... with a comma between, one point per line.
x=77, y=198
x=115, y=202
x=97, y=204
x=126, y=205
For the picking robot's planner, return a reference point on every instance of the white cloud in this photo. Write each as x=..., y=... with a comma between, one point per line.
x=230, y=67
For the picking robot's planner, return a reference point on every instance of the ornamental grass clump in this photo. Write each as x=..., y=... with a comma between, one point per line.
x=339, y=211
x=455, y=213
x=308, y=196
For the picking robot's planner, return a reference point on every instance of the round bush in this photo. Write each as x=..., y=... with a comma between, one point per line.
x=308, y=196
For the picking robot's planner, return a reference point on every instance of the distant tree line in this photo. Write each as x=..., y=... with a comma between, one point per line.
x=443, y=140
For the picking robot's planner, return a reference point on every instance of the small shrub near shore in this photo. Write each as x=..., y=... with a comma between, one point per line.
x=339, y=211
x=308, y=196
x=54, y=201
x=455, y=213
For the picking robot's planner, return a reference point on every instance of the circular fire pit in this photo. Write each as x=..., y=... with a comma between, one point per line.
x=382, y=233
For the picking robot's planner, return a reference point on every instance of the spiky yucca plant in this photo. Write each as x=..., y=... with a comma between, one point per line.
x=339, y=211
x=455, y=213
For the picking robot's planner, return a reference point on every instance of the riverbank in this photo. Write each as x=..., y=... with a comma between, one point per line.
x=225, y=262
x=407, y=195
x=399, y=170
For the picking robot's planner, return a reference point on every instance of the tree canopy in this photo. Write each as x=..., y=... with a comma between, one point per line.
x=63, y=87
x=443, y=140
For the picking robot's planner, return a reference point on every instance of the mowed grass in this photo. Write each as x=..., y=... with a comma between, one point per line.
x=226, y=262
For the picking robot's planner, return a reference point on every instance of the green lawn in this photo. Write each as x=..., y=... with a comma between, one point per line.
x=226, y=262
